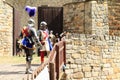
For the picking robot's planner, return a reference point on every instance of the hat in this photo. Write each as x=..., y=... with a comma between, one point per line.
x=31, y=22
x=43, y=23
x=30, y=10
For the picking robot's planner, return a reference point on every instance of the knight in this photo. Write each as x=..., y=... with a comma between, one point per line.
x=29, y=38
x=43, y=34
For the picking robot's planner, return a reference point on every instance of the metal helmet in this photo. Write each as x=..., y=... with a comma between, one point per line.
x=31, y=22
x=43, y=23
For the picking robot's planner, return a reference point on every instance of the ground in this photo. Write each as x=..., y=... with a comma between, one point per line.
x=13, y=68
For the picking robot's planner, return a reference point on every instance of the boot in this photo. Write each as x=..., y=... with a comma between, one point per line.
x=28, y=68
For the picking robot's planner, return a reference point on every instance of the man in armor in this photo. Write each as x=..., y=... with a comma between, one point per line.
x=43, y=34
x=29, y=39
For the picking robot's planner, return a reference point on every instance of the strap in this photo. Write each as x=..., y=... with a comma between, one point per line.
x=25, y=31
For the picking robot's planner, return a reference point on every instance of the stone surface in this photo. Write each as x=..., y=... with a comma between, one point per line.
x=6, y=29
x=94, y=55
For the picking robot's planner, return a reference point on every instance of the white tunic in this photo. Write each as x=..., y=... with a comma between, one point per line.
x=44, y=38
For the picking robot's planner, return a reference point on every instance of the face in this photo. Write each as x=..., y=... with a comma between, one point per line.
x=43, y=27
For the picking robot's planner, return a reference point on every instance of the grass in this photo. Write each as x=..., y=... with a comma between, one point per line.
x=17, y=59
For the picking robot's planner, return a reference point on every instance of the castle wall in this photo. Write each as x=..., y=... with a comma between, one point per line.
x=114, y=17
x=94, y=56
x=6, y=29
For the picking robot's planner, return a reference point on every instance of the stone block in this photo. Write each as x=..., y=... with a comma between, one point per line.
x=69, y=71
x=75, y=56
x=88, y=74
x=79, y=61
x=82, y=51
x=70, y=51
x=70, y=61
x=73, y=66
x=95, y=74
x=116, y=70
x=86, y=68
x=76, y=70
x=107, y=65
x=68, y=56
x=78, y=75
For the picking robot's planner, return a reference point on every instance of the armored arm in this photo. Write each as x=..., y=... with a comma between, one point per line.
x=35, y=37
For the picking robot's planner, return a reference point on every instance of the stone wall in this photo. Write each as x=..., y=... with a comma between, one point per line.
x=114, y=17
x=6, y=29
x=94, y=56
x=74, y=17
x=75, y=5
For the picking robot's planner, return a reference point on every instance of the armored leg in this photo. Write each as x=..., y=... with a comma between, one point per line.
x=28, y=68
x=28, y=61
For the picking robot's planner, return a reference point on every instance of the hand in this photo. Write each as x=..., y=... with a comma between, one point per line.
x=43, y=43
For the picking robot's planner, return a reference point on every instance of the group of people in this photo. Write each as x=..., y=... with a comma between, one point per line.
x=32, y=38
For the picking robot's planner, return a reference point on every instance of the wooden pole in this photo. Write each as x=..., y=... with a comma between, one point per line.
x=57, y=62
x=52, y=71
x=64, y=53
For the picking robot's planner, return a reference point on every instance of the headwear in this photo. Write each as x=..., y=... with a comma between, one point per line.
x=31, y=22
x=43, y=23
x=30, y=10
x=51, y=31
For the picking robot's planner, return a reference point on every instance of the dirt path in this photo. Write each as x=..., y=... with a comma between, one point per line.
x=14, y=71
x=13, y=68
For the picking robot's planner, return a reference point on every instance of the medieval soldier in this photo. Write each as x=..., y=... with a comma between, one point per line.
x=30, y=39
x=43, y=34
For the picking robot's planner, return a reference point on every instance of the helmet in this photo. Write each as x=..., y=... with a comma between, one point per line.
x=31, y=22
x=43, y=23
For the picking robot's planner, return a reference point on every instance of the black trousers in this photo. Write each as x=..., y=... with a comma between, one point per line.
x=29, y=53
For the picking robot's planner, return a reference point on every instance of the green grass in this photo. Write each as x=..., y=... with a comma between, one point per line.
x=17, y=59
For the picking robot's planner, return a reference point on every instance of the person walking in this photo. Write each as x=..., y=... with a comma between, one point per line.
x=57, y=38
x=52, y=38
x=63, y=35
x=29, y=38
x=44, y=39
